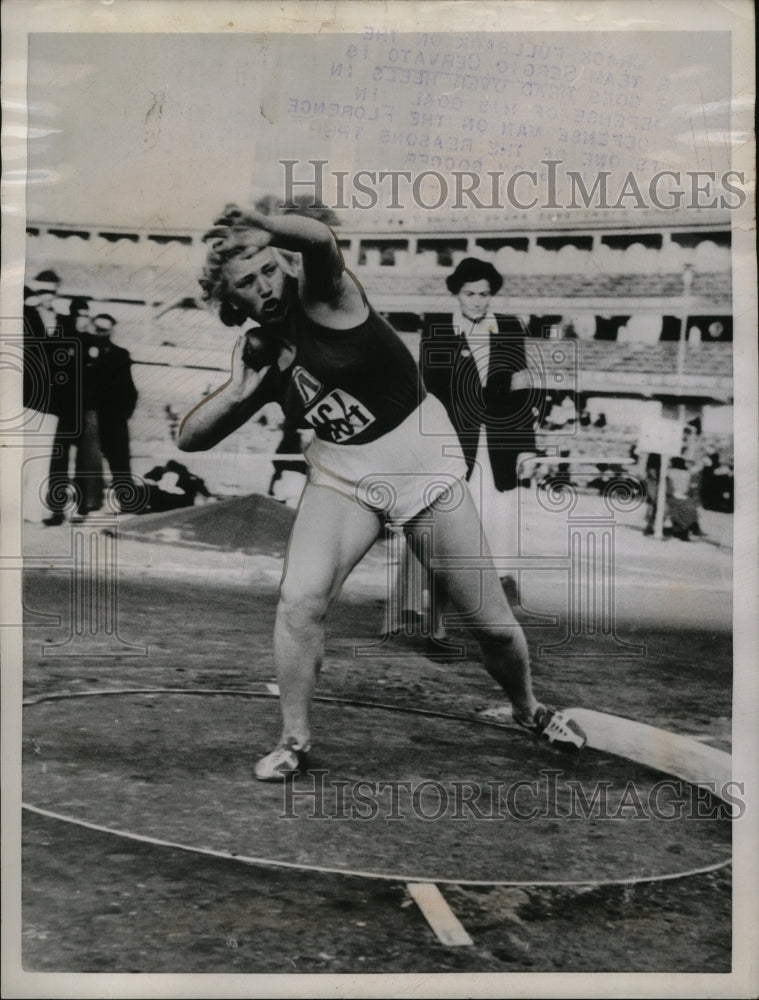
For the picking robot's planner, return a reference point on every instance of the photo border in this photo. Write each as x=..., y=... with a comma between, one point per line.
x=22, y=17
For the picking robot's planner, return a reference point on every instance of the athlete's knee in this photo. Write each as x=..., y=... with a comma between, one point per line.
x=301, y=608
x=497, y=636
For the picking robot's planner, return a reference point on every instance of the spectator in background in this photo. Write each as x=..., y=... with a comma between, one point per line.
x=681, y=507
x=173, y=419
x=651, y=481
x=172, y=487
x=717, y=484
x=691, y=443
x=474, y=361
x=41, y=326
x=726, y=481
x=709, y=465
x=76, y=424
x=40, y=309
x=36, y=382
x=681, y=515
x=113, y=396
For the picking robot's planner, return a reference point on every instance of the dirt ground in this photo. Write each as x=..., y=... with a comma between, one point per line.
x=93, y=902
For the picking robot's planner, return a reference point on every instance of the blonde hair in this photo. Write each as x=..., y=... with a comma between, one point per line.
x=225, y=242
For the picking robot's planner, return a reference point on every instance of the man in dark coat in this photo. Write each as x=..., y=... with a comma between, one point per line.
x=54, y=378
x=42, y=328
x=113, y=396
x=77, y=422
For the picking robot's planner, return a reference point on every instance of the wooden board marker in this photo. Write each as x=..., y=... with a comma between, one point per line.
x=438, y=914
x=681, y=756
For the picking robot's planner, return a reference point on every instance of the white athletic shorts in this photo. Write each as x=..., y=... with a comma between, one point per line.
x=399, y=474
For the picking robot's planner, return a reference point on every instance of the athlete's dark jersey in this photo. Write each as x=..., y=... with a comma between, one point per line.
x=352, y=386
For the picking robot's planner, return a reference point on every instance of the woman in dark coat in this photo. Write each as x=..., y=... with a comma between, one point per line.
x=474, y=361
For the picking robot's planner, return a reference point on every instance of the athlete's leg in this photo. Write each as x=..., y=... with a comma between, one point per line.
x=451, y=532
x=330, y=535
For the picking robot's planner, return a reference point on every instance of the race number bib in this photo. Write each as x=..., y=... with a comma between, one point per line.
x=340, y=415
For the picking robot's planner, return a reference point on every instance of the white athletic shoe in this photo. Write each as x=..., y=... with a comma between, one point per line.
x=554, y=727
x=284, y=761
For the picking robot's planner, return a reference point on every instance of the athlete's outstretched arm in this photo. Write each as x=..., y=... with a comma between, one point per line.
x=227, y=409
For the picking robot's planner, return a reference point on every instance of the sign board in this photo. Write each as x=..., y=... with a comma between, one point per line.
x=662, y=435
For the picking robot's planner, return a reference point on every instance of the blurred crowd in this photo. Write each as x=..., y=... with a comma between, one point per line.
x=74, y=372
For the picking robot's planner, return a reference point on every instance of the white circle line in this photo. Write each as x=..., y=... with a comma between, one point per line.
x=322, y=869
x=357, y=873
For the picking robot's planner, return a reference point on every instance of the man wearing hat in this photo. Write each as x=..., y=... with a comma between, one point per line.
x=41, y=322
x=55, y=348
x=113, y=397
x=52, y=381
x=45, y=289
x=76, y=426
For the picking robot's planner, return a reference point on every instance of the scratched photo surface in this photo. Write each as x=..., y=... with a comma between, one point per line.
x=595, y=172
